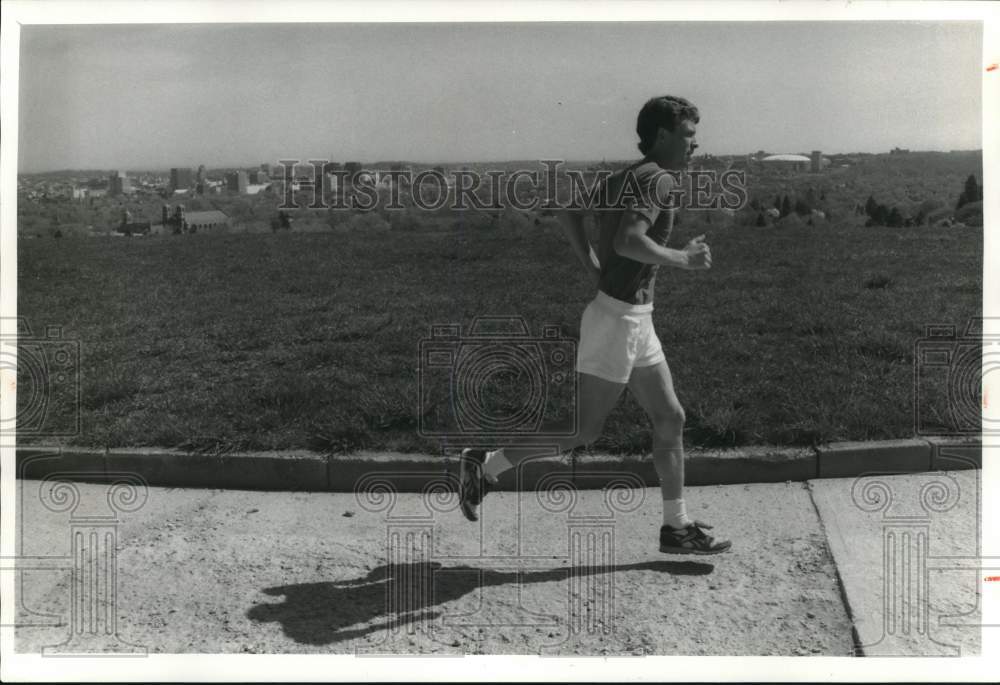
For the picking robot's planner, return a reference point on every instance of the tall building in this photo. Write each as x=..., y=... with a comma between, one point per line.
x=200, y=181
x=816, y=161
x=236, y=181
x=180, y=179
x=119, y=183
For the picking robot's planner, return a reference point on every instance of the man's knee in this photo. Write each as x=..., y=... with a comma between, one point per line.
x=669, y=419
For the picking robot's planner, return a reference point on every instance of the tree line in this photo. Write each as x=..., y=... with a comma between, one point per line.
x=892, y=217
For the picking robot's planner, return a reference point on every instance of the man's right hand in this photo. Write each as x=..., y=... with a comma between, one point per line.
x=698, y=254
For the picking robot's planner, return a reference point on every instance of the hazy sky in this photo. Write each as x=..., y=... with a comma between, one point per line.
x=140, y=97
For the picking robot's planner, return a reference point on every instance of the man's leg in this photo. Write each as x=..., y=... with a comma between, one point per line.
x=653, y=387
x=596, y=397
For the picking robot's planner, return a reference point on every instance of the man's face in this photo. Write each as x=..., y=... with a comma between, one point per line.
x=680, y=144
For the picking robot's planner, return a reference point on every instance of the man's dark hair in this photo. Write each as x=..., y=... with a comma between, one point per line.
x=666, y=111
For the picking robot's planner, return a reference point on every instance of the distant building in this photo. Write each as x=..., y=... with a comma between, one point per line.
x=795, y=162
x=180, y=179
x=200, y=181
x=211, y=220
x=259, y=177
x=899, y=151
x=816, y=161
x=129, y=227
x=786, y=162
x=119, y=183
x=330, y=184
x=180, y=221
x=237, y=181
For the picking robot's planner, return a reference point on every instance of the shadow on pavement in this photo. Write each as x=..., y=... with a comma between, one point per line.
x=320, y=613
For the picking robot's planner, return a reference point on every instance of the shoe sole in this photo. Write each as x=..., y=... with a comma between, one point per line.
x=688, y=550
x=469, y=514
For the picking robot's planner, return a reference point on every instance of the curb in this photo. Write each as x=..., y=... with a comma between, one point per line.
x=312, y=471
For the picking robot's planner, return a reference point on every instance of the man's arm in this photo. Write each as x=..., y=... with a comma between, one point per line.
x=576, y=232
x=632, y=242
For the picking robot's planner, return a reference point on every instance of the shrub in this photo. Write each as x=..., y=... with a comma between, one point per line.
x=973, y=192
x=877, y=281
x=936, y=215
x=925, y=209
x=790, y=220
x=971, y=213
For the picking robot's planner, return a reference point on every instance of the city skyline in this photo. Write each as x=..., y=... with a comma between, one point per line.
x=153, y=97
x=371, y=165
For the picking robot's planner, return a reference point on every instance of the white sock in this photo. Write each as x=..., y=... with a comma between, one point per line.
x=675, y=514
x=495, y=464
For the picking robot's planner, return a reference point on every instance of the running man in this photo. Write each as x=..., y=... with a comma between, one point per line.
x=618, y=346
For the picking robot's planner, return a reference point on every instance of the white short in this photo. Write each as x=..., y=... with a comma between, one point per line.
x=616, y=337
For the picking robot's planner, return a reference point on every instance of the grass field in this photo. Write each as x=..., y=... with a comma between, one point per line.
x=797, y=335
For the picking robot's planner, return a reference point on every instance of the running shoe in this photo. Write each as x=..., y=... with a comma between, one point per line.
x=473, y=483
x=691, y=540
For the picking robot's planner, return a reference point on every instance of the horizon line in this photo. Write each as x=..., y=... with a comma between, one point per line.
x=305, y=162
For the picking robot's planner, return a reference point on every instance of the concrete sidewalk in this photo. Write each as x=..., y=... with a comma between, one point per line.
x=549, y=572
